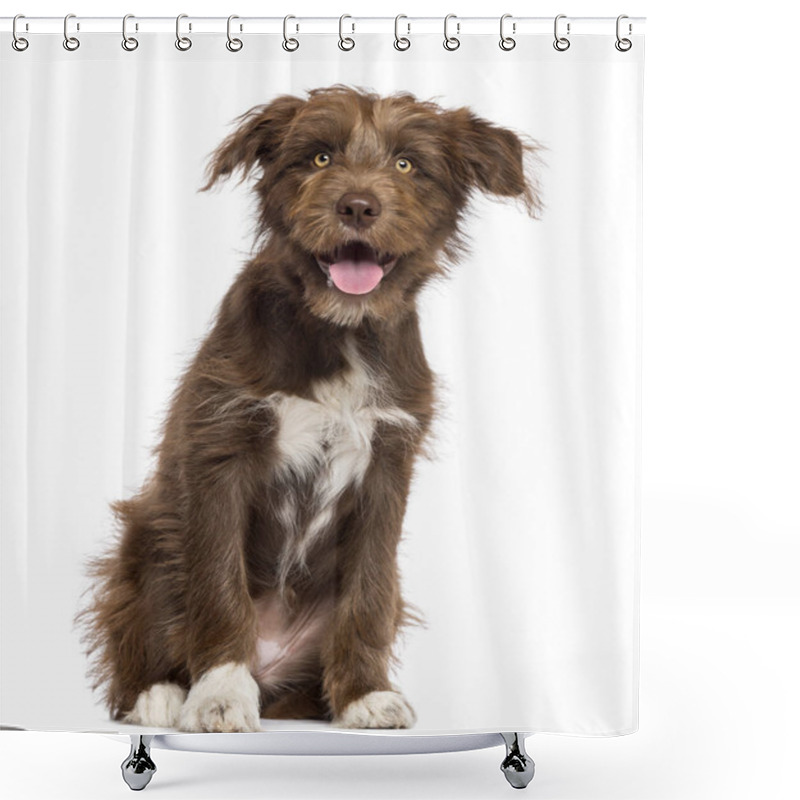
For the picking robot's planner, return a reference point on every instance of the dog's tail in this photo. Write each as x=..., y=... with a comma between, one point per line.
x=120, y=629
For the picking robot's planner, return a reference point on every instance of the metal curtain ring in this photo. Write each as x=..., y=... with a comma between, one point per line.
x=401, y=42
x=234, y=45
x=70, y=42
x=182, y=42
x=345, y=42
x=561, y=43
x=129, y=43
x=623, y=45
x=506, y=42
x=451, y=42
x=289, y=44
x=19, y=43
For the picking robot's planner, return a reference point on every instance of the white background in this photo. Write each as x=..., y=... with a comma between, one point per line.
x=721, y=438
x=530, y=499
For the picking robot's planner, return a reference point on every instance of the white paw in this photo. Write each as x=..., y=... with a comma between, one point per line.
x=225, y=699
x=378, y=710
x=157, y=707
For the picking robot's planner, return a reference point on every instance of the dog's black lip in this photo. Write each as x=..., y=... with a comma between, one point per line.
x=356, y=251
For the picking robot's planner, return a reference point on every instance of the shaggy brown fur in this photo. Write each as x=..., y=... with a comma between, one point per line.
x=206, y=558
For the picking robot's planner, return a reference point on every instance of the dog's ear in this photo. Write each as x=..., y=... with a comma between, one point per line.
x=495, y=159
x=255, y=140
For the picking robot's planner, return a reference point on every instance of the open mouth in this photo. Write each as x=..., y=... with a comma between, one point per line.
x=355, y=267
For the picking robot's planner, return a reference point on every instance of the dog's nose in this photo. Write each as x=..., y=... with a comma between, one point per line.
x=358, y=209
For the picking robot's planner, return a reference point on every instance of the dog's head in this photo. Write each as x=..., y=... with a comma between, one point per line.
x=365, y=191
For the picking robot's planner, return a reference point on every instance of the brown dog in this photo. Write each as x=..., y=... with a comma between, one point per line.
x=257, y=568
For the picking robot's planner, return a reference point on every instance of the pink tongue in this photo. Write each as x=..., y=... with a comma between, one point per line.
x=356, y=277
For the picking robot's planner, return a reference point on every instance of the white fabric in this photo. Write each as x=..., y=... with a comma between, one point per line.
x=522, y=535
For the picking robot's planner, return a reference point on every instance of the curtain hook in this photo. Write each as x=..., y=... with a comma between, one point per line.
x=129, y=43
x=183, y=43
x=234, y=45
x=623, y=45
x=345, y=42
x=451, y=42
x=289, y=44
x=506, y=42
x=561, y=43
x=18, y=42
x=401, y=42
x=70, y=42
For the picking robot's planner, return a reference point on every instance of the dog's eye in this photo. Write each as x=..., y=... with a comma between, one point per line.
x=322, y=160
x=403, y=165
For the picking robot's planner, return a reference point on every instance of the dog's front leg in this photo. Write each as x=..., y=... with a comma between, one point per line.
x=369, y=606
x=221, y=630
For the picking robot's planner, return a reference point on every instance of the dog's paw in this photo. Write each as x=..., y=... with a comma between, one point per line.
x=225, y=700
x=157, y=707
x=377, y=710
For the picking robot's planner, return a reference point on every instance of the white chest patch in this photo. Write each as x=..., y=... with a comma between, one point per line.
x=328, y=440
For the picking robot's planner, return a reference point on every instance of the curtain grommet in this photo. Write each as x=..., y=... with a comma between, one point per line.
x=71, y=43
x=346, y=43
x=234, y=45
x=183, y=43
x=129, y=43
x=623, y=44
x=401, y=43
x=19, y=43
x=451, y=43
x=507, y=43
x=561, y=43
x=289, y=44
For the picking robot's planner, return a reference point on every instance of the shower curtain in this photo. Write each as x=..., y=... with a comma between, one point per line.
x=520, y=537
